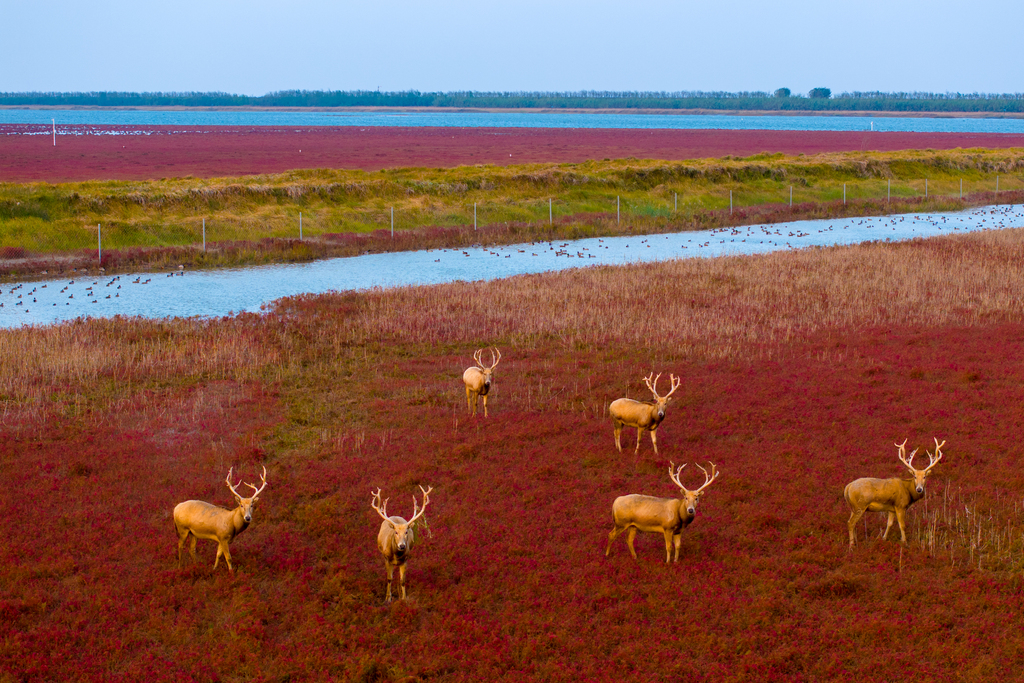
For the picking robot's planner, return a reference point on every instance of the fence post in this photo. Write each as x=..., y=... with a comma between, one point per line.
x=204, y=235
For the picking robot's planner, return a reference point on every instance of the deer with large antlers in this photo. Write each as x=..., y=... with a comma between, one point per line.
x=645, y=416
x=668, y=516
x=889, y=495
x=478, y=379
x=198, y=519
x=394, y=540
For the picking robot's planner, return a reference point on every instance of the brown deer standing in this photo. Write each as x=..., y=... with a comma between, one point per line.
x=198, y=519
x=642, y=415
x=889, y=495
x=394, y=540
x=478, y=379
x=668, y=516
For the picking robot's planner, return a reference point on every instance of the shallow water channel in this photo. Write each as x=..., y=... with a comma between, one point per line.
x=223, y=292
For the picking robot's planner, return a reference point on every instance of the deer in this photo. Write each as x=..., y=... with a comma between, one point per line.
x=394, y=540
x=889, y=495
x=198, y=519
x=478, y=379
x=668, y=516
x=645, y=416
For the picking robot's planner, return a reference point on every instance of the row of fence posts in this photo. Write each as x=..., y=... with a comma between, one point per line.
x=551, y=215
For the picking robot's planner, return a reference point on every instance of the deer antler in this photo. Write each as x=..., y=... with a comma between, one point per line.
x=228, y=482
x=477, y=357
x=674, y=473
x=676, y=381
x=417, y=513
x=653, y=387
x=903, y=455
x=256, y=491
x=494, y=363
x=933, y=459
x=376, y=505
x=708, y=479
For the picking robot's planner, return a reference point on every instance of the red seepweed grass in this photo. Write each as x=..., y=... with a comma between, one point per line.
x=799, y=372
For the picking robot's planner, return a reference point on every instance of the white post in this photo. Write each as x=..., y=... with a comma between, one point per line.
x=551, y=220
x=54, y=131
x=300, y=226
x=99, y=243
x=677, y=201
x=618, y=214
x=393, y=222
x=204, y=235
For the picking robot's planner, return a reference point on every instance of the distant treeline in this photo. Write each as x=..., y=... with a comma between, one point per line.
x=819, y=99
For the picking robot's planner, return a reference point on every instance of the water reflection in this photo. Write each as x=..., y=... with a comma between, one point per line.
x=221, y=292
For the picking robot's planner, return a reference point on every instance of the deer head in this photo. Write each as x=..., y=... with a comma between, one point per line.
x=690, y=498
x=246, y=504
x=402, y=530
x=920, y=475
x=478, y=357
x=661, y=402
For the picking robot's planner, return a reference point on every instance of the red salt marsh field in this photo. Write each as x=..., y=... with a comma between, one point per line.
x=799, y=371
x=171, y=151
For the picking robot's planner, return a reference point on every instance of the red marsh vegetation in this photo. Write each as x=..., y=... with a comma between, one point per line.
x=27, y=152
x=799, y=371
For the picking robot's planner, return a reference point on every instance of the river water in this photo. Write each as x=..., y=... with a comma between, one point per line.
x=223, y=292
x=195, y=118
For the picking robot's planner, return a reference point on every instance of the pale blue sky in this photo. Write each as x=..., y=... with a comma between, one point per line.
x=258, y=46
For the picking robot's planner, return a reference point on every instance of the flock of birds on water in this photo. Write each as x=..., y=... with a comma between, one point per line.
x=86, y=287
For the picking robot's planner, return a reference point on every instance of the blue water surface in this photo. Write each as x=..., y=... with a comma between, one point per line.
x=141, y=117
x=221, y=292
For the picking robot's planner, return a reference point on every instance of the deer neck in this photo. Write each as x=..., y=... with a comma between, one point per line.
x=238, y=520
x=911, y=488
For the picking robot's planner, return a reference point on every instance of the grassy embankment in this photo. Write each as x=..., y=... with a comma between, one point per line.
x=255, y=219
x=800, y=370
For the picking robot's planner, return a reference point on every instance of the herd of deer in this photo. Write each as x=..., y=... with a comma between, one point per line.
x=634, y=512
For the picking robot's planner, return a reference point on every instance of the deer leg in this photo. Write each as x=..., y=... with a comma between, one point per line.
x=899, y=518
x=852, y=524
x=485, y=405
x=677, y=541
x=222, y=549
x=629, y=541
x=639, y=435
x=668, y=546
x=612, y=535
x=181, y=541
x=401, y=575
x=391, y=572
x=888, y=525
x=192, y=548
x=618, y=433
x=470, y=403
x=654, y=442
